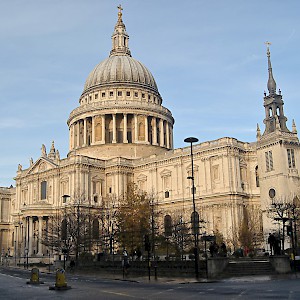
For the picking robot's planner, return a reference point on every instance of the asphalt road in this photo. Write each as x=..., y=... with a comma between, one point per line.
x=13, y=286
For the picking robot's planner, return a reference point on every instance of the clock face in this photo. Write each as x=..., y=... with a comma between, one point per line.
x=272, y=193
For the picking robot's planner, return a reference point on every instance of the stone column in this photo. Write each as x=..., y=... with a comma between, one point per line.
x=171, y=136
x=114, y=139
x=154, y=132
x=84, y=132
x=161, y=136
x=78, y=133
x=40, y=235
x=168, y=135
x=70, y=138
x=125, y=140
x=30, y=236
x=135, y=129
x=93, y=130
x=103, y=129
x=146, y=130
x=74, y=135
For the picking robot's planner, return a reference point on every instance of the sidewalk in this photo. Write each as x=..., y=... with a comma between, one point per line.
x=179, y=280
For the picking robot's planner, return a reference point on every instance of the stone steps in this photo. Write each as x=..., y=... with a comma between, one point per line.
x=247, y=267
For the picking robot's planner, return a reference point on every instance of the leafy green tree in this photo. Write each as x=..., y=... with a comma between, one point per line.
x=134, y=215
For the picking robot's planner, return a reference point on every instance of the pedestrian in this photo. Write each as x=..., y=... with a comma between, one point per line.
x=223, y=250
x=271, y=241
x=72, y=265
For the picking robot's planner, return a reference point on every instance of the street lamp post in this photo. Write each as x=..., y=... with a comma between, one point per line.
x=192, y=140
x=65, y=225
x=26, y=254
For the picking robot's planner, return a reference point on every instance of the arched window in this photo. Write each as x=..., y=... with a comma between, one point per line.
x=168, y=225
x=278, y=111
x=95, y=229
x=256, y=176
x=270, y=111
x=195, y=222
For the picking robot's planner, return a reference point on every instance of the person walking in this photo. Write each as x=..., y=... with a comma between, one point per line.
x=272, y=241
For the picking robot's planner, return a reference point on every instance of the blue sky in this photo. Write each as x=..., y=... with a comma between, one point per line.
x=208, y=59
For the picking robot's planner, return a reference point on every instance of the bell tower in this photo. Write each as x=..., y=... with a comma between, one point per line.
x=273, y=103
x=278, y=153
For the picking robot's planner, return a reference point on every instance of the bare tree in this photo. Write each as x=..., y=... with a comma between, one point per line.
x=250, y=231
x=72, y=228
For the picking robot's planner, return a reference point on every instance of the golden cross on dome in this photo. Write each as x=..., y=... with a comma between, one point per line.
x=120, y=11
x=120, y=8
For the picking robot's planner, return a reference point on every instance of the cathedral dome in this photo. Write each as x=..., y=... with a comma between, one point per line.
x=120, y=69
x=120, y=112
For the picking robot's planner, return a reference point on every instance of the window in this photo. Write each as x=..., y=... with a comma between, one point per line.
x=119, y=93
x=103, y=94
x=269, y=161
x=149, y=97
x=90, y=98
x=136, y=94
x=96, y=96
x=128, y=94
x=111, y=94
x=95, y=229
x=143, y=95
x=256, y=176
x=43, y=190
x=168, y=225
x=291, y=158
x=167, y=194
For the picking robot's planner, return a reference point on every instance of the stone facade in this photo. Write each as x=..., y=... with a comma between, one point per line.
x=121, y=133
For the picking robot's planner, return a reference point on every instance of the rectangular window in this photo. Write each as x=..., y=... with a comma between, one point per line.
x=269, y=161
x=291, y=158
x=136, y=94
x=96, y=96
x=119, y=93
x=128, y=94
x=103, y=94
x=111, y=94
x=43, y=190
x=143, y=95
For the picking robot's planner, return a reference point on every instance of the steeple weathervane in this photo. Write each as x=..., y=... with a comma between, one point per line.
x=271, y=81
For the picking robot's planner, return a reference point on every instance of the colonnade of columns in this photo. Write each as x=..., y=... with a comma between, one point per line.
x=32, y=235
x=121, y=128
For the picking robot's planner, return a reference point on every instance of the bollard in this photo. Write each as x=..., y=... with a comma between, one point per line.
x=35, y=277
x=60, y=281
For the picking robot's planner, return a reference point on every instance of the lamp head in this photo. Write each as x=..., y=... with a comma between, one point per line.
x=191, y=140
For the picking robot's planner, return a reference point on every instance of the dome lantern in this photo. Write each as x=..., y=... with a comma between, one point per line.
x=120, y=37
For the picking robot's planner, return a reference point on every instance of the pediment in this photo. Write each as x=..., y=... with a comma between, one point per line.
x=41, y=165
x=142, y=177
x=165, y=173
x=189, y=167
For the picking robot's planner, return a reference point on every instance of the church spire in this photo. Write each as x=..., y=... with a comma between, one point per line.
x=275, y=119
x=271, y=81
x=120, y=37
